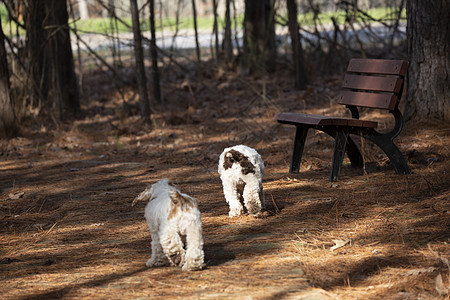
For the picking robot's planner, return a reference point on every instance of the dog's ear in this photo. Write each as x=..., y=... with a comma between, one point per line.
x=180, y=200
x=233, y=156
x=228, y=160
x=175, y=197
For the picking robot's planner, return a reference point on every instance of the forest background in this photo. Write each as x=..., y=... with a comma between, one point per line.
x=100, y=98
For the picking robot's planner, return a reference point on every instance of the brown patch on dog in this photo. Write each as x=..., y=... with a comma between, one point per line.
x=179, y=202
x=175, y=259
x=240, y=185
x=234, y=156
x=240, y=190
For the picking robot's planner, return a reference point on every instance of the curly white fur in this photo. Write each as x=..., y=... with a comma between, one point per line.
x=241, y=170
x=173, y=219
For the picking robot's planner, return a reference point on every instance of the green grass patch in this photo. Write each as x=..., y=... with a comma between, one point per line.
x=3, y=12
x=7, y=26
x=382, y=14
x=108, y=25
x=102, y=25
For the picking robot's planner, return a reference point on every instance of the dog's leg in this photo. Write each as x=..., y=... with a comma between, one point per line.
x=172, y=245
x=194, y=248
x=253, y=196
x=262, y=197
x=232, y=197
x=158, y=258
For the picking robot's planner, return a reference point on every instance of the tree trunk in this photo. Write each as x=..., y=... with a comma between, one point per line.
x=38, y=72
x=177, y=26
x=154, y=55
x=140, y=68
x=227, y=46
x=194, y=13
x=8, y=123
x=216, y=31
x=301, y=79
x=428, y=33
x=259, y=35
x=63, y=78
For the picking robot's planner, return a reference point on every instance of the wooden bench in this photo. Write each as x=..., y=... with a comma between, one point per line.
x=370, y=83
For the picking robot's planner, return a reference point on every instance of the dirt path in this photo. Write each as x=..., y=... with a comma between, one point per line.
x=68, y=229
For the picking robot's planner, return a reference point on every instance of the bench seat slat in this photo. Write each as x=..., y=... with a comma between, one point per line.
x=299, y=118
x=318, y=120
x=372, y=100
x=378, y=66
x=372, y=83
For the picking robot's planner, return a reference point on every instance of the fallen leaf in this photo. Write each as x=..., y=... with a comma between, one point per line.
x=415, y=272
x=16, y=195
x=339, y=244
x=291, y=179
x=440, y=287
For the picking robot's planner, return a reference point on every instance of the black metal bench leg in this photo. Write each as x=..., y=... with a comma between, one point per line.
x=340, y=143
x=394, y=154
x=354, y=154
x=299, y=145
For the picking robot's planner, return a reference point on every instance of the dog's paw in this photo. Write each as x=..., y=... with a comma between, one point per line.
x=235, y=213
x=192, y=266
x=152, y=262
x=261, y=214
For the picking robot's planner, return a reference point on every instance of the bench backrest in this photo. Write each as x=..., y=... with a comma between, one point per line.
x=374, y=83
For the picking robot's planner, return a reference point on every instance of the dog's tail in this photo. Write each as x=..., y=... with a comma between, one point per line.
x=144, y=196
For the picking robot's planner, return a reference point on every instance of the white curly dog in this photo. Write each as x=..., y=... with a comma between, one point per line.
x=241, y=170
x=175, y=226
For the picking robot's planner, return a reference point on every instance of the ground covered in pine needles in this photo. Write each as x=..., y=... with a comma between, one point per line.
x=68, y=229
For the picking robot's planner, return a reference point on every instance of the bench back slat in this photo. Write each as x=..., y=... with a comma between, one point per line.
x=373, y=83
x=378, y=66
x=372, y=100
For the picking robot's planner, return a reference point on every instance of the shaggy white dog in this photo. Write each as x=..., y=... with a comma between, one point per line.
x=241, y=170
x=174, y=220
